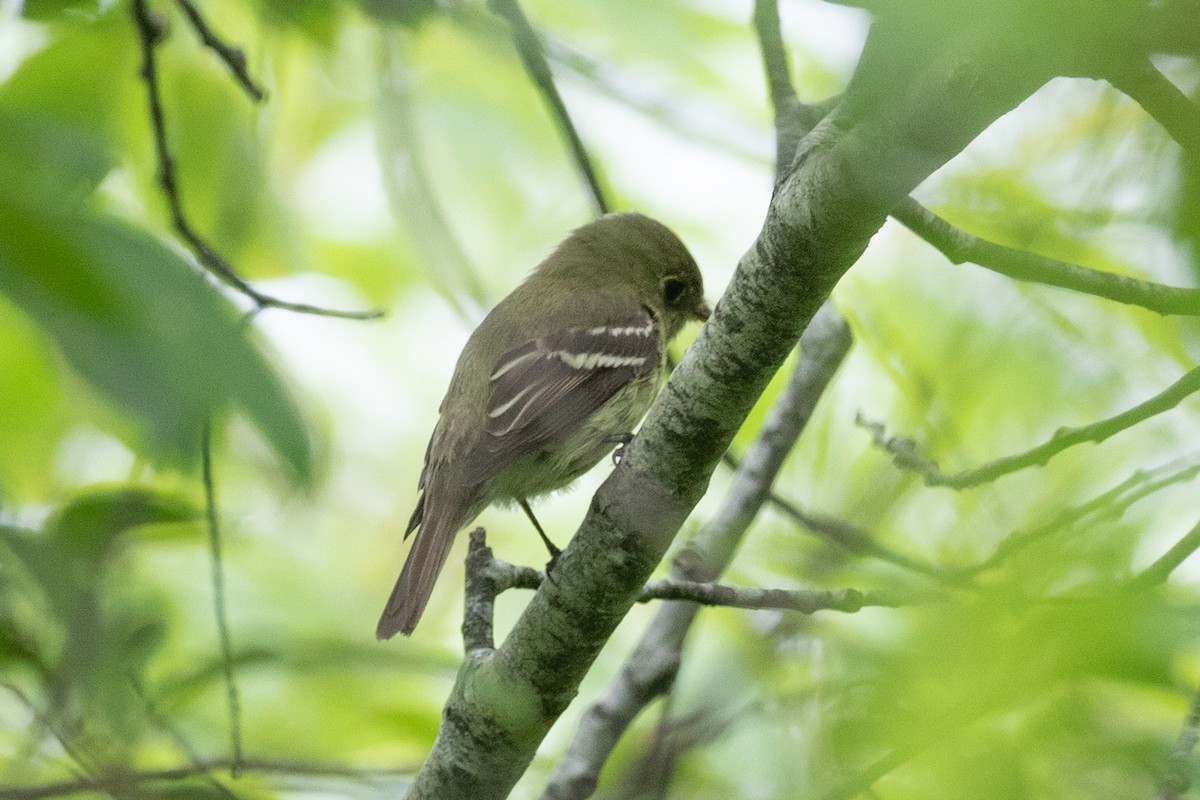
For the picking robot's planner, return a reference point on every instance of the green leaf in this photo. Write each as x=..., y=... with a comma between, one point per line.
x=142, y=326
x=91, y=521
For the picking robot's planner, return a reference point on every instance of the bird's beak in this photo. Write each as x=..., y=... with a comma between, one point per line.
x=702, y=312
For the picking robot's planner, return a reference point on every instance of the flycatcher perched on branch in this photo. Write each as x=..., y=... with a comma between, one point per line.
x=547, y=383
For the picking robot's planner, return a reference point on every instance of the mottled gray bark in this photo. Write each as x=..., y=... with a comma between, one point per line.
x=848, y=173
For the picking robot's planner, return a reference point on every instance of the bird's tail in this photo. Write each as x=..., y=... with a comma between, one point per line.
x=431, y=547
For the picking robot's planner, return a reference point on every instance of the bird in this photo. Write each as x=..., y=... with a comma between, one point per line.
x=558, y=372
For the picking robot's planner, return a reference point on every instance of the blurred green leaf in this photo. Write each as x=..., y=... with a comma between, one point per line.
x=143, y=327
x=87, y=525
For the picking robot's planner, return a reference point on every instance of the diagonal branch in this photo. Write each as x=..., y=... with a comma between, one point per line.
x=823, y=213
x=1111, y=504
x=1161, y=99
x=532, y=55
x=232, y=56
x=151, y=31
x=960, y=247
x=904, y=451
x=650, y=669
x=1164, y=565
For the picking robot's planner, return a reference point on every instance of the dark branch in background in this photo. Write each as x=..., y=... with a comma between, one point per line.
x=844, y=534
x=163, y=724
x=960, y=247
x=151, y=30
x=233, y=57
x=86, y=764
x=649, y=670
x=1176, y=779
x=1161, y=569
x=525, y=39
x=212, y=512
x=138, y=780
x=1163, y=100
x=904, y=450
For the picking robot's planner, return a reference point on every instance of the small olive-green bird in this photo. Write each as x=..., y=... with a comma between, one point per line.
x=552, y=377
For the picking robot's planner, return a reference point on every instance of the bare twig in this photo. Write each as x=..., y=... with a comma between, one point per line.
x=960, y=246
x=532, y=55
x=852, y=538
x=904, y=451
x=163, y=724
x=151, y=29
x=233, y=56
x=502, y=576
x=1177, y=778
x=218, y=584
x=1111, y=504
x=264, y=766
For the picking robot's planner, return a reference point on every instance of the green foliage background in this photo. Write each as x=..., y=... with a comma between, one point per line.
x=1048, y=677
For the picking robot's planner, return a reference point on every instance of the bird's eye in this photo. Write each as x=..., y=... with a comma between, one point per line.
x=673, y=289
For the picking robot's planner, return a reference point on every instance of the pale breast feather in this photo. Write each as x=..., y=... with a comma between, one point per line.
x=543, y=390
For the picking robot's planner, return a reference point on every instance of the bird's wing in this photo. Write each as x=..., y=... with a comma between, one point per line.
x=544, y=389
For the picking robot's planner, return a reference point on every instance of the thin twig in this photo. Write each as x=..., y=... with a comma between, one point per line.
x=805, y=601
x=218, y=584
x=1161, y=569
x=960, y=247
x=904, y=450
x=525, y=39
x=1111, y=504
x=85, y=763
x=250, y=765
x=791, y=119
x=232, y=55
x=163, y=724
x=852, y=538
x=151, y=31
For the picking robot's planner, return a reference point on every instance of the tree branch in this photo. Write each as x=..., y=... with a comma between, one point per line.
x=904, y=450
x=108, y=783
x=213, y=514
x=233, y=56
x=960, y=247
x=525, y=39
x=1111, y=504
x=1161, y=569
x=151, y=30
x=837, y=194
x=649, y=670
x=1161, y=99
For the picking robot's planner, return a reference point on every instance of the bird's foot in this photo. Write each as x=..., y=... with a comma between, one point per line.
x=554, y=554
x=620, y=440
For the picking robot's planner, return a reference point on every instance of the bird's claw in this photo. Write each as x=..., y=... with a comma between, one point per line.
x=554, y=554
x=620, y=440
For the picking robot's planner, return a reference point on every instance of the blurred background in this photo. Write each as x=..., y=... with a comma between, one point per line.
x=402, y=160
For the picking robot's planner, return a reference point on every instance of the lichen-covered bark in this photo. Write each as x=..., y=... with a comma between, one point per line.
x=847, y=174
